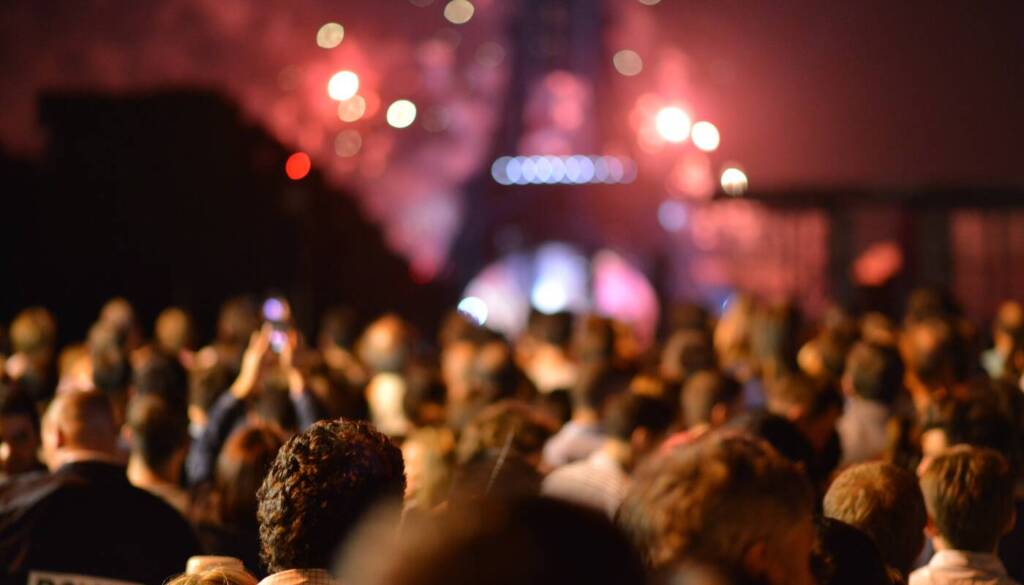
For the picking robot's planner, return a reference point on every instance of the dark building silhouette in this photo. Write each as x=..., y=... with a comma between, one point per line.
x=171, y=198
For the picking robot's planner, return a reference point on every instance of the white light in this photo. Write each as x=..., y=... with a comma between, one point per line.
x=586, y=169
x=600, y=169
x=557, y=168
x=673, y=124
x=672, y=215
x=543, y=168
x=474, y=308
x=459, y=11
x=705, y=136
x=572, y=170
x=550, y=169
x=649, y=2
x=514, y=170
x=615, y=169
x=549, y=296
x=330, y=35
x=401, y=113
x=628, y=62
x=351, y=109
x=734, y=181
x=499, y=170
x=529, y=169
x=343, y=85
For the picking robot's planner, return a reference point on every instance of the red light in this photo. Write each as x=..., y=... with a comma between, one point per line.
x=297, y=166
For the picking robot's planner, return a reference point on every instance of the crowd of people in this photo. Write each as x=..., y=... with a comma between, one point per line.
x=750, y=447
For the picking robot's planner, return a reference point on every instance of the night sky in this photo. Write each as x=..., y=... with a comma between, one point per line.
x=805, y=93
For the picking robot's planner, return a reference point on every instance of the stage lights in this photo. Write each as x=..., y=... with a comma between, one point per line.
x=576, y=169
x=673, y=124
x=351, y=109
x=627, y=62
x=705, y=136
x=297, y=166
x=474, y=308
x=343, y=85
x=401, y=114
x=459, y=11
x=734, y=181
x=330, y=35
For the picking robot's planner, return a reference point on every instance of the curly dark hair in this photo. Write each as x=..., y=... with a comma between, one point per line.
x=319, y=486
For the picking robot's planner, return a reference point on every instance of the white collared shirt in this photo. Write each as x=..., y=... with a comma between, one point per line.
x=957, y=567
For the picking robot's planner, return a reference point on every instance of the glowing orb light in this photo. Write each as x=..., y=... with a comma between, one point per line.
x=351, y=109
x=672, y=215
x=628, y=62
x=705, y=136
x=297, y=166
x=330, y=35
x=348, y=143
x=734, y=181
x=474, y=308
x=343, y=85
x=401, y=113
x=673, y=124
x=459, y=11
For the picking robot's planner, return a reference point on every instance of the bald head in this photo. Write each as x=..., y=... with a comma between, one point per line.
x=82, y=421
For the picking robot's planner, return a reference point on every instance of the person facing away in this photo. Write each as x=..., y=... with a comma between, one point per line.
x=883, y=501
x=968, y=492
x=85, y=519
x=158, y=444
x=518, y=541
x=320, y=485
x=19, y=433
x=634, y=426
x=726, y=499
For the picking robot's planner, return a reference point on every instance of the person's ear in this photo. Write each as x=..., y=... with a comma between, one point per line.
x=1011, y=521
x=755, y=560
x=719, y=414
x=639, y=440
x=846, y=384
x=930, y=530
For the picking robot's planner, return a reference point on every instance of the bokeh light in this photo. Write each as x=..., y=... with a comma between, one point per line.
x=474, y=308
x=649, y=2
x=566, y=170
x=343, y=85
x=628, y=62
x=459, y=11
x=401, y=113
x=672, y=215
x=351, y=109
x=330, y=35
x=673, y=124
x=297, y=166
x=734, y=181
x=348, y=143
x=705, y=136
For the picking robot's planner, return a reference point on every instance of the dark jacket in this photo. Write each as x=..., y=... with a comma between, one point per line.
x=87, y=519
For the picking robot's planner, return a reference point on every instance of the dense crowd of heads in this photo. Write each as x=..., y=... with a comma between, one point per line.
x=751, y=446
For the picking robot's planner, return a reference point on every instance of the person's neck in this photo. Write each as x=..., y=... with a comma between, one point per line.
x=140, y=474
x=68, y=455
x=584, y=416
x=941, y=544
x=618, y=451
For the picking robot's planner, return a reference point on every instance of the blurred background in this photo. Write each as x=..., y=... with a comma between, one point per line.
x=616, y=156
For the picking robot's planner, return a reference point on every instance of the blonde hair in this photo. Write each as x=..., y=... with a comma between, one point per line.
x=222, y=575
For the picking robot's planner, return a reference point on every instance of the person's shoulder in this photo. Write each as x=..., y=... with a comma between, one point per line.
x=921, y=576
x=28, y=489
